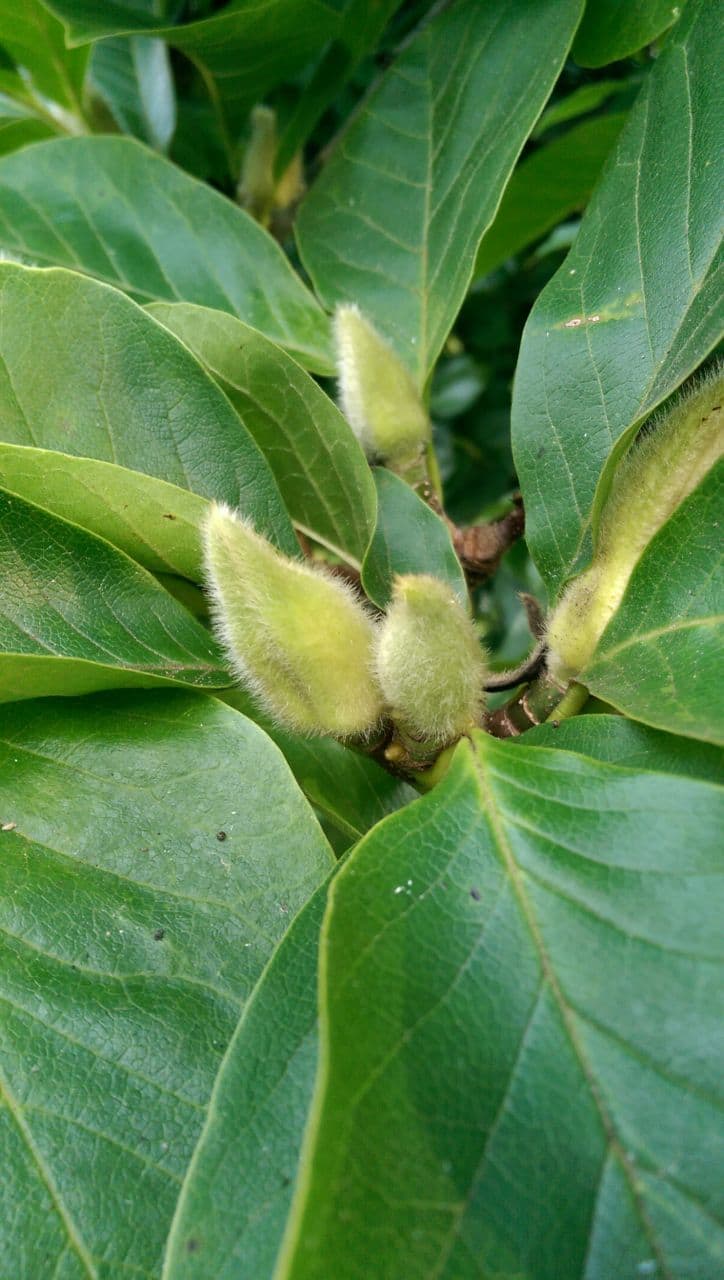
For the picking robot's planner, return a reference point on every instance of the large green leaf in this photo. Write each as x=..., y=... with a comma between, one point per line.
x=116, y=210
x=131, y=936
x=552, y=183
x=408, y=538
x=349, y=790
x=521, y=1017
x=134, y=79
x=236, y=1195
x=635, y=746
x=394, y=220
x=320, y=468
x=659, y=659
x=613, y=29
x=155, y=523
x=77, y=615
x=114, y=385
x=35, y=41
x=635, y=306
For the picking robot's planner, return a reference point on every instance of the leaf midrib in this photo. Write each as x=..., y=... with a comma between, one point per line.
x=507, y=857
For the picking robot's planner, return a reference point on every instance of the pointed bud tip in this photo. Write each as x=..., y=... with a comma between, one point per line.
x=377, y=394
x=430, y=663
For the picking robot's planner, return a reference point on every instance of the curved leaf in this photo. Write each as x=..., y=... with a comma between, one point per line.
x=155, y=523
x=99, y=392
x=659, y=659
x=131, y=936
x=636, y=305
x=112, y=208
x=394, y=220
x=521, y=1007
x=633, y=746
x=133, y=77
x=408, y=538
x=237, y=1191
x=77, y=615
x=321, y=470
x=614, y=29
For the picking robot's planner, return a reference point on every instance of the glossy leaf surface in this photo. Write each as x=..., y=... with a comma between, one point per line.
x=521, y=1002
x=409, y=538
x=179, y=427
x=155, y=523
x=116, y=210
x=616, y=740
x=76, y=615
x=238, y=1189
x=132, y=935
x=659, y=659
x=394, y=220
x=321, y=471
x=635, y=306
x=614, y=29
x=133, y=76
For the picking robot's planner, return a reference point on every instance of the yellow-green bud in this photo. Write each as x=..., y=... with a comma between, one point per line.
x=377, y=394
x=430, y=665
x=661, y=469
x=296, y=636
x=257, y=184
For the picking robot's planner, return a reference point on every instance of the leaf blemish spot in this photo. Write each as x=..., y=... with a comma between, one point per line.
x=159, y=934
x=475, y=894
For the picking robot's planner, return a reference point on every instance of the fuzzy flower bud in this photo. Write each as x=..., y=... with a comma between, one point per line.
x=377, y=394
x=295, y=635
x=430, y=664
x=660, y=470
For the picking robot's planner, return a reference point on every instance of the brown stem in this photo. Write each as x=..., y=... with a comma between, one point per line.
x=481, y=547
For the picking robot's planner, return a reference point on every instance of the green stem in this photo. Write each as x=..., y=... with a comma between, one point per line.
x=570, y=704
x=433, y=471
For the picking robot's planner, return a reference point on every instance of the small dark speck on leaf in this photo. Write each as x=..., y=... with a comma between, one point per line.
x=475, y=894
x=192, y=1246
x=285, y=1180
x=168, y=515
x=220, y=835
x=159, y=934
x=555, y=724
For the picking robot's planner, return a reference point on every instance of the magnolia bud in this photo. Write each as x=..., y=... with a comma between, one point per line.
x=379, y=398
x=296, y=636
x=661, y=469
x=256, y=187
x=430, y=665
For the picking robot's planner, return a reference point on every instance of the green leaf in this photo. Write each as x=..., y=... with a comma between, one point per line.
x=131, y=938
x=99, y=393
x=76, y=615
x=521, y=1007
x=155, y=523
x=634, y=746
x=394, y=220
x=659, y=659
x=321, y=470
x=134, y=79
x=20, y=124
x=348, y=789
x=35, y=40
x=589, y=97
x=242, y=52
x=636, y=305
x=552, y=183
x=112, y=208
x=613, y=29
x=236, y=1195
x=408, y=538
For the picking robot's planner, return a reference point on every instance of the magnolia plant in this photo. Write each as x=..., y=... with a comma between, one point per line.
x=361, y=433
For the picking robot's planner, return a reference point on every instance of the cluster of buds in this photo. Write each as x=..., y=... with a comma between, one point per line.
x=320, y=663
